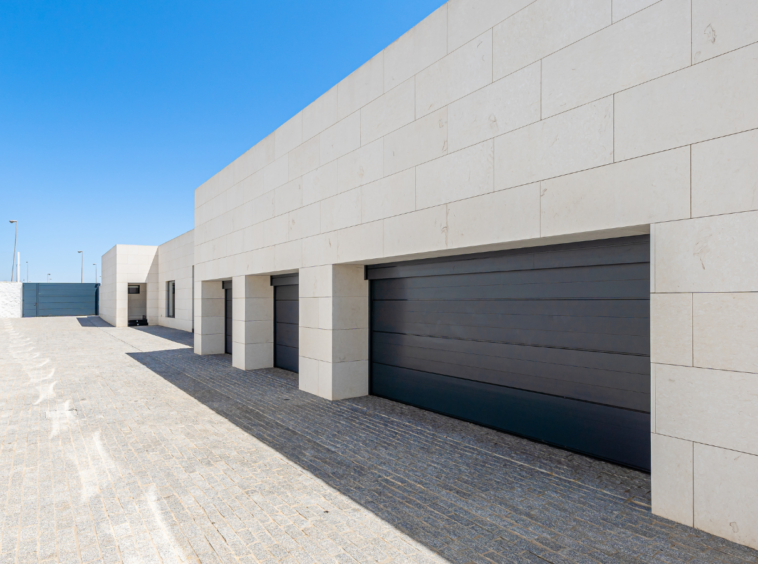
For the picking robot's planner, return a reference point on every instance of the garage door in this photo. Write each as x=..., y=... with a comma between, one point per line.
x=286, y=322
x=228, y=318
x=551, y=343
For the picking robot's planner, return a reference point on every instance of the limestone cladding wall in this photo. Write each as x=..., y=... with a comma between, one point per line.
x=122, y=265
x=175, y=260
x=108, y=293
x=10, y=300
x=498, y=123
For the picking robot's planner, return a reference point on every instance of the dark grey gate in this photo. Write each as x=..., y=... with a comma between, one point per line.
x=551, y=343
x=286, y=322
x=54, y=299
x=228, y=317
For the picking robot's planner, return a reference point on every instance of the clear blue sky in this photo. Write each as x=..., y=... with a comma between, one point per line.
x=112, y=113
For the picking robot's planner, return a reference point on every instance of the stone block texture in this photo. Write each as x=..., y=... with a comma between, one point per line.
x=152, y=267
x=499, y=124
x=123, y=265
x=10, y=300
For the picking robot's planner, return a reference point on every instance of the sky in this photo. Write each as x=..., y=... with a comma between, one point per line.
x=112, y=113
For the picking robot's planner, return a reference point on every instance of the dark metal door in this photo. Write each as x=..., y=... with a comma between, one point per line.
x=551, y=343
x=228, y=320
x=286, y=322
x=53, y=299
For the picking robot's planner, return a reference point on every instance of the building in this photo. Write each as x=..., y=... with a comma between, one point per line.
x=541, y=216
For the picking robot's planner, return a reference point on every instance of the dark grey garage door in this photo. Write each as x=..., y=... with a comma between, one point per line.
x=551, y=343
x=53, y=299
x=286, y=322
x=228, y=317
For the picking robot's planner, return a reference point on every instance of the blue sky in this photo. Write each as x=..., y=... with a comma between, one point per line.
x=112, y=113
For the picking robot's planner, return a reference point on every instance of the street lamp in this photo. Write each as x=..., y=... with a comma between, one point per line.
x=95, y=265
x=48, y=277
x=15, y=239
x=82, y=253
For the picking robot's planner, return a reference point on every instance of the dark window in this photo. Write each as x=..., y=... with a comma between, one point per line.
x=171, y=298
x=134, y=288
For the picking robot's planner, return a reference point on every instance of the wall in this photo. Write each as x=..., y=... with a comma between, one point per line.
x=175, y=261
x=10, y=300
x=123, y=265
x=507, y=123
x=108, y=292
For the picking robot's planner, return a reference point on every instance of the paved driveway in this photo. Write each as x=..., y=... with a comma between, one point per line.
x=122, y=445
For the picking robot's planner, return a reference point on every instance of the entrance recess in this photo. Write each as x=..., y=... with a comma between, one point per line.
x=551, y=343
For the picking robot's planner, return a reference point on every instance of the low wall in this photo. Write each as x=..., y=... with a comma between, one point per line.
x=10, y=300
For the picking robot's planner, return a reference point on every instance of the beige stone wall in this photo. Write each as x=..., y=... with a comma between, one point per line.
x=123, y=265
x=507, y=123
x=175, y=261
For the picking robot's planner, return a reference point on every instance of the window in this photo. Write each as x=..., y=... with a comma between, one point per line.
x=171, y=298
x=133, y=288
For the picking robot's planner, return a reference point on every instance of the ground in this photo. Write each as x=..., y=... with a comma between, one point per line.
x=121, y=445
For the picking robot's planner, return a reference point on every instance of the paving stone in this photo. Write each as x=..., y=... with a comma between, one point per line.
x=122, y=445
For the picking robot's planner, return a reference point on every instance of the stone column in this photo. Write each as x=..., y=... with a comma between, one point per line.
x=253, y=322
x=334, y=331
x=209, y=318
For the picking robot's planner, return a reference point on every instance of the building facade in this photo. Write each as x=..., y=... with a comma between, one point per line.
x=586, y=170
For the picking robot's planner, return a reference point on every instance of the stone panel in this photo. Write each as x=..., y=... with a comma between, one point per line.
x=636, y=192
x=726, y=501
x=573, y=141
x=720, y=26
x=707, y=406
x=671, y=329
x=508, y=215
x=711, y=254
x=463, y=71
x=457, y=176
x=664, y=113
x=506, y=105
x=672, y=478
x=544, y=27
x=726, y=331
x=725, y=175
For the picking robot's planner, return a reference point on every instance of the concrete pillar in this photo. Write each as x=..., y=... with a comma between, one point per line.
x=253, y=322
x=209, y=318
x=334, y=331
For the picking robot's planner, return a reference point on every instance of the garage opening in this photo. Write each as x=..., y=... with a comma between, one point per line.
x=228, y=316
x=137, y=304
x=550, y=343
x=286, y=321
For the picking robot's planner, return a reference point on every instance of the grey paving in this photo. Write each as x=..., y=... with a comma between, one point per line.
x=121, y=445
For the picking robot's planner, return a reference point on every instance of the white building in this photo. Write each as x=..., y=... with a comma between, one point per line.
x=603, y=153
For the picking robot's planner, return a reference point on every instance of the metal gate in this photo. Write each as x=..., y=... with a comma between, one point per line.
x=551, y=343
x=53, y=299
x=286, y=321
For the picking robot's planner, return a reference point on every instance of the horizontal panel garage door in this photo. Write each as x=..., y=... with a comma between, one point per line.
x=53, y=299
x=551, y=343
x=286, y=322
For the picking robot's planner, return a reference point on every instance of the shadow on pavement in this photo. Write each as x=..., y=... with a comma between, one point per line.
x=469, y=494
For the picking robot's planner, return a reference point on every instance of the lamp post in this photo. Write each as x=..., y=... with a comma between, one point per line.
x=48, y=277
x=95, y=265
x=82, y=253
x=15, y=239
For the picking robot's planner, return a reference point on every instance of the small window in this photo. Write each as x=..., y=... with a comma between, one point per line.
x=171, y=298
x=133, y=288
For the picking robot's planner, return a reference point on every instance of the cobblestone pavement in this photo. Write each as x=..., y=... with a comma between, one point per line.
x=121, y=445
